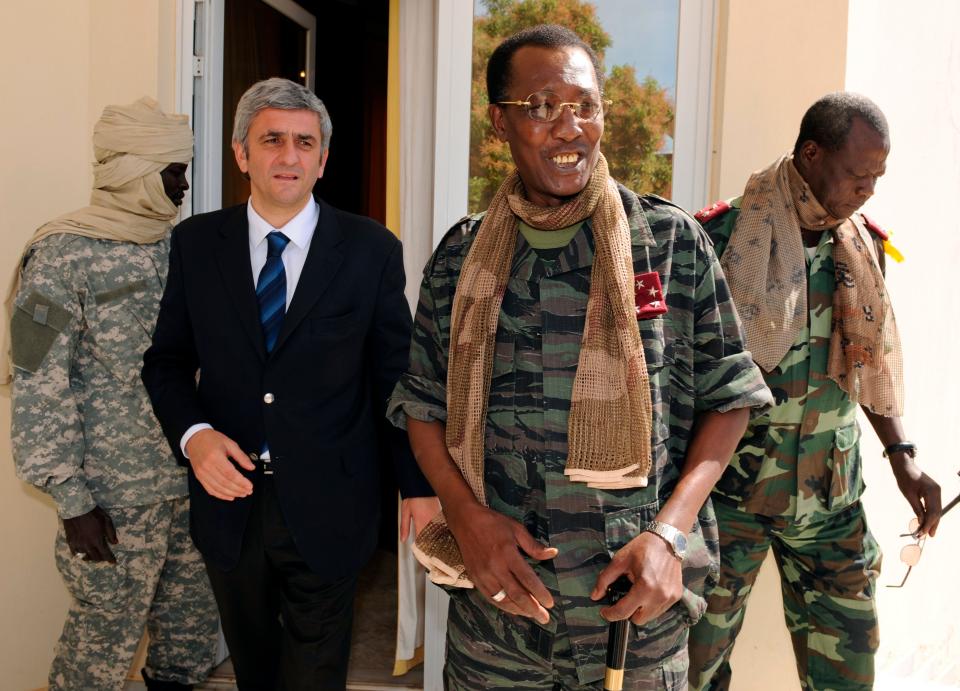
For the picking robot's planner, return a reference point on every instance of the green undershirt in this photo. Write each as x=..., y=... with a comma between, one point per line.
x=548, y=239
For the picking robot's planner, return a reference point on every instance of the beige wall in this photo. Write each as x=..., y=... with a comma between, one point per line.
x=776, y=57
x=764, y=83
x=63, y=61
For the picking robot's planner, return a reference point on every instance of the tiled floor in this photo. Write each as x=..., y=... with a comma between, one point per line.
x=374, y=637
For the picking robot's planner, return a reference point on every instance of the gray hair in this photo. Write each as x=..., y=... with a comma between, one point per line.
x=284, y=95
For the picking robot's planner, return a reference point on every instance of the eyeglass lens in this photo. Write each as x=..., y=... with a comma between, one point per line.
x=910, y=554
x=546, y=106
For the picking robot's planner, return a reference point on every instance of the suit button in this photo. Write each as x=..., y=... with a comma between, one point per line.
x=268, y=398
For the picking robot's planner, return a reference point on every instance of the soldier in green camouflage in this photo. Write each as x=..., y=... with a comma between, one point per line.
x=83, y=431
x=536, y=618
x=794, y=483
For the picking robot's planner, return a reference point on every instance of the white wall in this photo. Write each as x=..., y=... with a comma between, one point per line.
x=906, y=57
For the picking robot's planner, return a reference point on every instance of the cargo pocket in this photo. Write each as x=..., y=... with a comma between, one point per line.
x=622, y=526
x=700, y=572
x=100, y=584
x=845, y=476
x=699, y=568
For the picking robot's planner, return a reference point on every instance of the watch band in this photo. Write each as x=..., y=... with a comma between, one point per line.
x=907, y=447
x=674, y=537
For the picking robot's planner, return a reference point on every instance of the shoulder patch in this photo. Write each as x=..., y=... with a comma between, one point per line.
x=874, y=228
x=708, y=213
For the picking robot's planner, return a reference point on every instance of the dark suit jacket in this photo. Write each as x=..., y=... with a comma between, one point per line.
x=343, y=344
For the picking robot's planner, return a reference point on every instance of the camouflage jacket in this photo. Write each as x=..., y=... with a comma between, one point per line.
x=82, y=427
x=696, y=363
x=801, y=460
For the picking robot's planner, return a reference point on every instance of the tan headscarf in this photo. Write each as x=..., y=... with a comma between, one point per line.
x=765, y=267
x=132, y=144
x=610, y=411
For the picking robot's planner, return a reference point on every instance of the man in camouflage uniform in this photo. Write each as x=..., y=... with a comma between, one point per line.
x=795, y=480
x=82, y=430
x=540, y=622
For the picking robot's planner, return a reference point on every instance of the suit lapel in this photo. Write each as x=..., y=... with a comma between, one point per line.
x=323, y=262
x=233, y=259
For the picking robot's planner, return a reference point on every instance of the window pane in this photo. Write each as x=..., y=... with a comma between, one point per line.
x=637, y=46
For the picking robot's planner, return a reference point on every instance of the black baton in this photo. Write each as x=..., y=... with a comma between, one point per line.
x=617, y=639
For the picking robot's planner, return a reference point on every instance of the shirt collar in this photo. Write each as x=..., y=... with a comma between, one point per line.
x=299, y=228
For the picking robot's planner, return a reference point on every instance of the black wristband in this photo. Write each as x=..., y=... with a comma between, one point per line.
x=906, y=446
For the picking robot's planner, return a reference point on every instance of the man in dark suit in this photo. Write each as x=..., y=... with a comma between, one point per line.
x=293, y=313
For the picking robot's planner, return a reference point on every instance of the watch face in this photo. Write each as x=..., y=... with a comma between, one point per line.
x=680, y=542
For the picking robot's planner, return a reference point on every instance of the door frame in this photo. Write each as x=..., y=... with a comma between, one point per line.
x=200, y=30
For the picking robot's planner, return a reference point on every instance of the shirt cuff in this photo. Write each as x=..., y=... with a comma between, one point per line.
x=72, y=498
x=191, y=430
x=733, y=382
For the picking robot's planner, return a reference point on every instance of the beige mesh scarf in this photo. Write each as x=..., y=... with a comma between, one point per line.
x=132, y=144
x=765, y=267
x=610, y=412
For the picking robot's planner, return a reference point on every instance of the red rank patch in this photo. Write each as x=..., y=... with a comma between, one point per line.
x=648, y=295
x=708, y=213
x=874, y=228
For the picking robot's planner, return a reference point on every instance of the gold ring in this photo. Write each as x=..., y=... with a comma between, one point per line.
x=499, y=596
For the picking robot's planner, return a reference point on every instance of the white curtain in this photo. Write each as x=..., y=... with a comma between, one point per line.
x=417, y=55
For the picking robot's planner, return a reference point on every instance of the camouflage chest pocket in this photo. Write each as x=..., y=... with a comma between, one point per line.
x=845, y=481
x=120, y=325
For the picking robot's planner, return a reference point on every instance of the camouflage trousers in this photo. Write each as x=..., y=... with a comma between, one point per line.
x=828, y=572
x=488, y=650
x=159, y=582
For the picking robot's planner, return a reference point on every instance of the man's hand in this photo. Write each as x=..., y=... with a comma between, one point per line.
x=89, y=535
x=420, y=510
x=649, y=563
x=212, y=456
x=920, y=490
x=490, y=544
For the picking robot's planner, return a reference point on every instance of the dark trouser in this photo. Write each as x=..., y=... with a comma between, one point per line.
x=488, y=650
x=285, y=628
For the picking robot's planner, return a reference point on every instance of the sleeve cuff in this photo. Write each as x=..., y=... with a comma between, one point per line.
x=191, y=430
x=733, y=382
x=72, y=498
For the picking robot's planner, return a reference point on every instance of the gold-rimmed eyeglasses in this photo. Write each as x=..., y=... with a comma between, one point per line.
x=546, y=106
x=910, y=554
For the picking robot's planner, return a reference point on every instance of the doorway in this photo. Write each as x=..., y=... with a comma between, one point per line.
x=343, y=58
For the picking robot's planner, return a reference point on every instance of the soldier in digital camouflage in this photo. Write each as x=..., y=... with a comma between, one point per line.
x=806, y=273
x=577, y=382
x=82, y=309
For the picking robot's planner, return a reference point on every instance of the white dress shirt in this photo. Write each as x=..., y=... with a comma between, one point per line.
x=300, y=231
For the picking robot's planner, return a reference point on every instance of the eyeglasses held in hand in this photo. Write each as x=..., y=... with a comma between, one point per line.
x=546, y=106
x=910, y=554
